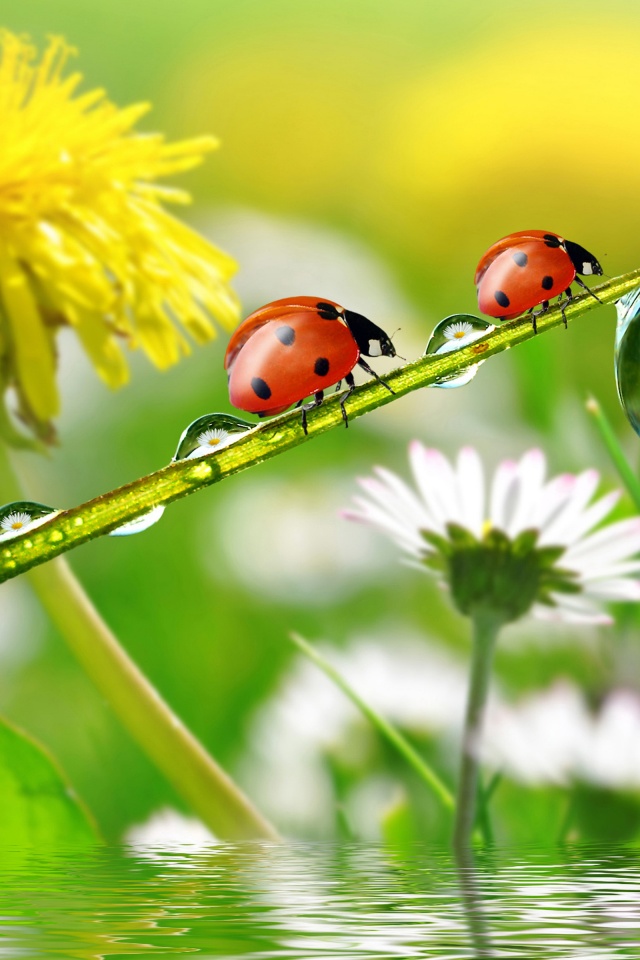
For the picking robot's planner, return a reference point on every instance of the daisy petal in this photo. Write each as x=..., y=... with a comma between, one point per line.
x=503, y=491
x=530, y=472
x=471, y=491
x=436, y=482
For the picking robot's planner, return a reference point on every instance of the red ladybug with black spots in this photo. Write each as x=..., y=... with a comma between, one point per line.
x=297, y=347
x=528, y=268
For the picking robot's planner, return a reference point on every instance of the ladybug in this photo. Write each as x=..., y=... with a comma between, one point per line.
x=298, y=346
x=529, y=268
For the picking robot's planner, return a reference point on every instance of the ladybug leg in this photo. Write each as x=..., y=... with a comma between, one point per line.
x=544, y=306
x=588, y=289
x=351, y=385
x=318, y=397
x=566, y=303
x=365, y=366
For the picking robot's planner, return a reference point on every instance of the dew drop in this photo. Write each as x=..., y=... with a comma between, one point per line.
x=141, y=523
x=210, y=433
x=627, y=356
x=56, y=536
x=453, y=333
x=22, y=515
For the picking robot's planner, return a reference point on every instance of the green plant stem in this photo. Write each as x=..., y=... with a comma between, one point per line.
x=72, y=527
x=195, y=775
x=615, y=451
x=486, y=625
x=386, y=729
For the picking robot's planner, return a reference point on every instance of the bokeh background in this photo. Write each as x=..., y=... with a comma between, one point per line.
x=371, y=151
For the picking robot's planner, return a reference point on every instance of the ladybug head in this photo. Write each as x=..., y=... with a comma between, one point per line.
x=584, y=262
x=372, y=340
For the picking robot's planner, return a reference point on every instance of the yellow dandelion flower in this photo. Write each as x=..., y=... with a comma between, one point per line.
x=84, y=238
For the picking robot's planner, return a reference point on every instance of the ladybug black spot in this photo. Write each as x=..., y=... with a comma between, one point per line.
x=521, y=259
x=286, y=335
x=501, y=298
x=547, y=283
x=260, y=388
x=550, y=240
x=327, y=311
x=321, y=367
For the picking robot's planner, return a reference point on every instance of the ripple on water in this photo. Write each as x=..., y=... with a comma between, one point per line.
x=319, y=900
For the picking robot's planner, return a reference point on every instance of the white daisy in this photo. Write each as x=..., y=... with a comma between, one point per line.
x=553, y=736
x=570, y=569
x=14, y=523
x=210, y=440
x=459, y=334
x=458, y=331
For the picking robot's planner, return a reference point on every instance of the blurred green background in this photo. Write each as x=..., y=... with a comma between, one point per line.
x=371, y=151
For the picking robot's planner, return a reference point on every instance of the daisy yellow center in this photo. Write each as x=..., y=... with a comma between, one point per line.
x=459, y=334
x=17, y=525
x=214, y=441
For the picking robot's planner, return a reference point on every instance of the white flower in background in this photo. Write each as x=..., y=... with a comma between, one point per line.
x=416, y=686
x=462, y=529
x=287, y=542
x=210, y=440
x=552, y=736
x=168, y=829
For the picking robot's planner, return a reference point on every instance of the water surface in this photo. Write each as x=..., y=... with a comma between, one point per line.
x=320, y=901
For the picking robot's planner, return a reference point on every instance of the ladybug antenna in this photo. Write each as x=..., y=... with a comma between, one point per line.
x=391, y=338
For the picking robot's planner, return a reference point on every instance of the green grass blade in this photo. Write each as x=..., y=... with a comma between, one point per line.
x=386, y=729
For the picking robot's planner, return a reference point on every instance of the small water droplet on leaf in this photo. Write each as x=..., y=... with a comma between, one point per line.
x=627, y=356
x=141, y=523
x=210, y=433
x=454, y=333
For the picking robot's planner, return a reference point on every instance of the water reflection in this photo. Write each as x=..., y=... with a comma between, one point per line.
x=306, y=900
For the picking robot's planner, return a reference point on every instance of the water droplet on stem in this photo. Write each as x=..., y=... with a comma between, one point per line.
x=140, y=523
x=210, y=433
x=627, y=356
x=454, y=333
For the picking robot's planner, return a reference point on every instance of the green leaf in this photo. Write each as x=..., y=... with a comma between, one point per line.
x=37, y=805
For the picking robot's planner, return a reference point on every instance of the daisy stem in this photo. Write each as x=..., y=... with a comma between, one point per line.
x=193, y=773
x=615, y=451
x=97, y=517
x=386, y=729
x=486, y=625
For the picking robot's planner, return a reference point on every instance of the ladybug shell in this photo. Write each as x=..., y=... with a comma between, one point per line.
x=287, y=351
x=521, y=271
x=513, y=240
